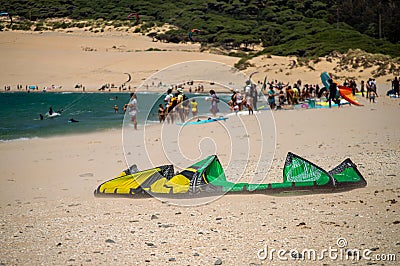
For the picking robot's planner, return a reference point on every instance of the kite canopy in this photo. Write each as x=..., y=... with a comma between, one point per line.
x=347, y=94
x=325, y=77
x=346, y=175
x=191, y=33
x=134, y=14
x=129, y=79
x=207, y=177
x=344, y=92
x=251, y=75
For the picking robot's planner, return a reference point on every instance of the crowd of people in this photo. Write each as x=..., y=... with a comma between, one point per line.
x=248, y=99
x=291, y=94
x=178, y=106
x=29, y=88
x=298, y=93
x=182, y=104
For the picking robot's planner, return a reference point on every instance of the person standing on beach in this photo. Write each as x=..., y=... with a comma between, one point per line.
x=186, y=105
x=254, y=96
x=353, y=86
x=372, y=96
x=249, y=103
x=281, y=98
x=161, y=113
x=332, y=93
x=194, y=107
x=239, y=100
x=373, y=87
x=168, y=97
x=133, y=109
x=173, y=101
x=396, y=86
x=368, y=87
x=296, y=94
x=214, y=103
x=168, y=103
x=271, y=98
x=362, y=87
x=179, y=97
x=289, y=95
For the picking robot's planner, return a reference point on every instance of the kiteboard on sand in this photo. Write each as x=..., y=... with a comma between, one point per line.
x=203, y=121
x=242, y=113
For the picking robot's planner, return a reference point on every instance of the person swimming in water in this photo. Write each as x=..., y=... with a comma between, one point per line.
x=72, y=120
x=115, y=109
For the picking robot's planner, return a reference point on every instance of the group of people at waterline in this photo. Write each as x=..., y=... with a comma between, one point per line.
x=178, y=106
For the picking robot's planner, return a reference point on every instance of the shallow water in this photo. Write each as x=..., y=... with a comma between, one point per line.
x=20, y=112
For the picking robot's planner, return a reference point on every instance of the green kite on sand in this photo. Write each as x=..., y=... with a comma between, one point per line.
x=207, y=178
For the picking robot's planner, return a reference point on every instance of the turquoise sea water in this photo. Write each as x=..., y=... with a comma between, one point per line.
x=19, y=112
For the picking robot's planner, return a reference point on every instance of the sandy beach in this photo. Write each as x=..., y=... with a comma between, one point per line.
x=49, y=215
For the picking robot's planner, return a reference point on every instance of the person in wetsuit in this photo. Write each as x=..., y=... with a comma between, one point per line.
x=72, y=120
x=332, y=93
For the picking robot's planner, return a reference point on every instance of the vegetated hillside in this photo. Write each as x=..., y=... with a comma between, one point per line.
x=282, y=27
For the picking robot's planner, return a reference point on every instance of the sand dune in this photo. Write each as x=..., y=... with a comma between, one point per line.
x=66, y=59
